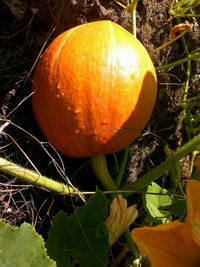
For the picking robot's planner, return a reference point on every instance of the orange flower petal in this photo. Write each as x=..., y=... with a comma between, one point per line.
x=193, y=199
x=168, y=245
x=195, y=229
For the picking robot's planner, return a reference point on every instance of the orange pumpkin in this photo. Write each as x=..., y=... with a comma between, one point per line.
x=94, y=90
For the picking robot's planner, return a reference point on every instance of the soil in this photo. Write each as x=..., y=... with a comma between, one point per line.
x=26, y=28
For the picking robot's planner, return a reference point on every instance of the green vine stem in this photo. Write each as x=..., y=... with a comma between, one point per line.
x=169, y=42
x=178, y=62
x=154, y=174
x=176, y=171
x=34, y=178
x=131, y=244
x=131, y=8
x=189, y=15
x=100, y=170
x=180, y=8
x=122, y=167
x=187, y=81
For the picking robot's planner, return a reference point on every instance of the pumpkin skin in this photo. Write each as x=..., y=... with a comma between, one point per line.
x=94, y=89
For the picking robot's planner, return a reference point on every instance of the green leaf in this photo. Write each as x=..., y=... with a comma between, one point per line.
x=155, y=203
x=178, y=208
x=81, y=238
x=22, y=247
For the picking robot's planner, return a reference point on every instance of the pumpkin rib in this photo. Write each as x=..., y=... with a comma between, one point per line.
x=54, y=68
x=52, y=73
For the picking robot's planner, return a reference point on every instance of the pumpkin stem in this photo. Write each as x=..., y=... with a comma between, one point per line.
x=100, y=169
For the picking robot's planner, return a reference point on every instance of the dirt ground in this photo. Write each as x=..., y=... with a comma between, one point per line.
x=26, y=28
